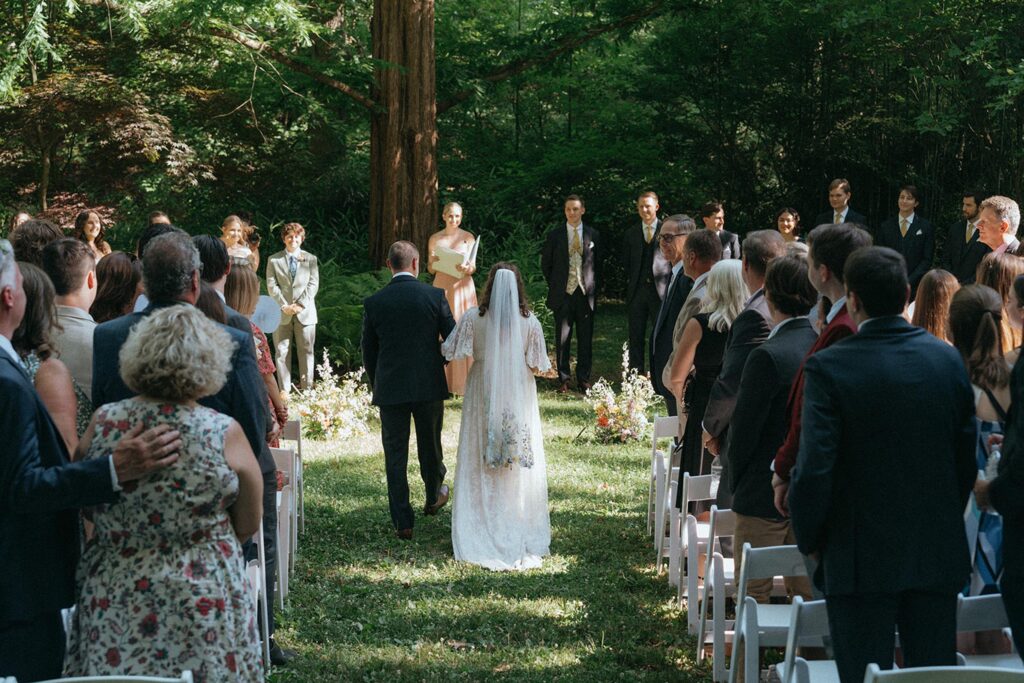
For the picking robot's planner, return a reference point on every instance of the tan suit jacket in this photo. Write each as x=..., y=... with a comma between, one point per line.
x=300, y=291
x=74, y=344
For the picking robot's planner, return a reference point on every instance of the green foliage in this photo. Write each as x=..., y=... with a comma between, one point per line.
x=339, y=305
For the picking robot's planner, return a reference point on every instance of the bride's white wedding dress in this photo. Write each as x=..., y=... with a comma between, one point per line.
x=500, y=515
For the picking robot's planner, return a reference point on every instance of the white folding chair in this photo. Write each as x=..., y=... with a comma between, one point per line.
x=760, y=625
x=942, y=674
x=284, y=549
x=694, y=489
x=719, y=582
x=984, y=613
x=666, y=508
x=293, y=432
x=286, y=461
x=696, y=534
x=663, y=428
x=185, y=677
x=808, y=626
x=256, y=571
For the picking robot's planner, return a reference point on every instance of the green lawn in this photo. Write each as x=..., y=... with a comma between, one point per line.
x=365, y=606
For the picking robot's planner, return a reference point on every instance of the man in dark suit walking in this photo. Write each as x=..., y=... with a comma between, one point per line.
x=42, y=489
x=171, y=273
x=647, y=275
x=886, y=463
x=403, y=327
x=839, y=199
x=672, y=242
x=571, y=263
x=962, y=252
x=748, y=331
x=911, y=235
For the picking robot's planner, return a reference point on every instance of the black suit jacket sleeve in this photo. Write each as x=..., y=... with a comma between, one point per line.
x=370, y=346
x=749, y=331
x=445, y=321
x=547, y=257
x=36, y=477
x=756, y=392
x=810, y=492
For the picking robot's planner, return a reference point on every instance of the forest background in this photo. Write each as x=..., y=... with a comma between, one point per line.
x=360, y=119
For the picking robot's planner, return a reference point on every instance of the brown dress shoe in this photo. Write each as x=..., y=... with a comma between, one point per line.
x=404, y=534
x=442, y=498
x=584, y=387
x=563, y=388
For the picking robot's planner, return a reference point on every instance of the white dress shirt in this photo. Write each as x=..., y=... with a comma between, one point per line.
x=834, y=311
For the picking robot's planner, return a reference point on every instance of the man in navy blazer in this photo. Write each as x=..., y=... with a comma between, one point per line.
x=171, y=273
x=839, y=194
x=910, y=234
x=963, y=251
x=403, y=327
x=885, y=467
x=672, y=242
x=41, y=491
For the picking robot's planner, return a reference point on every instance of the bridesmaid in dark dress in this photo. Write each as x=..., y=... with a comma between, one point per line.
x=698, y=358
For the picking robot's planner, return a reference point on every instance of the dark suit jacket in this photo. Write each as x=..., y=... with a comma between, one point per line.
x=554, y=263
x=760, y=420
x=643, y=260
x=1005, y=491
x=40, y=493
x=403, y=327
x=841, y=327
x=960, y=257
x=243, y=397
x=730, y=244
x=851, y=217
x=917, y=248
x=750, y=329
x=887, y=461
x=661, y=335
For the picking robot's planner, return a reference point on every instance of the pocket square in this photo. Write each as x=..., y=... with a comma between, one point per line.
x=919, y=232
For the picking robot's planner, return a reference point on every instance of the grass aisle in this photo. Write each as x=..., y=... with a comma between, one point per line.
x=365, y=606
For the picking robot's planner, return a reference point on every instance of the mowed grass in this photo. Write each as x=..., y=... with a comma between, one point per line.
x=366, y=606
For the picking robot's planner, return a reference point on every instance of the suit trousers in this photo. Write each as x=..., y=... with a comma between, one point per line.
x=761, y=532
x=643, y=309
x=305, y=336
x=1012, y=589
x=863, y=629
x=251, y=550
x=32, y=650
x=574, y=311
x=394, y=427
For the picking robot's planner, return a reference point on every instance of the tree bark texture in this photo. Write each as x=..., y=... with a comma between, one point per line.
x=403, y=127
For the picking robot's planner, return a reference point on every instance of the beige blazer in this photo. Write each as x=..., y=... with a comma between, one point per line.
x=74, y=344
x=300, y=291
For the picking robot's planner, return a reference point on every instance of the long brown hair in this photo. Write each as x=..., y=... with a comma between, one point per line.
x=118, y=275
x=80, y=221
x=975, y=323
x=934, y=295
x=998, y=271
x=485, y=301
x=33, y=334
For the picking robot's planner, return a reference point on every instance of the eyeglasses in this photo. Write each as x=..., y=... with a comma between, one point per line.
x=668, y=237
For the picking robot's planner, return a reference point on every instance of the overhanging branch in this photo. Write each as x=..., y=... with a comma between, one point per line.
x=280, y=57
x=564, y=45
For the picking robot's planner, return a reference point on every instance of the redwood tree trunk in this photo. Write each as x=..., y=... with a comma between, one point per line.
x=403, y=130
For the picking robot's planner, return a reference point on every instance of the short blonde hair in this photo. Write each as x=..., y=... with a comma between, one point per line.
x=176, y=354
x=726, y=294
x=1005, y=209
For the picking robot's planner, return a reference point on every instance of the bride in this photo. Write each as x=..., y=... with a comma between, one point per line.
x=500, y=515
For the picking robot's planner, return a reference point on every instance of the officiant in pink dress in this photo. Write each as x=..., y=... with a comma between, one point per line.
x=460, y=291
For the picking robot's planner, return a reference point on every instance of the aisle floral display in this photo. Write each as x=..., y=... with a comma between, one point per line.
x=621, y=417
x=334, y=407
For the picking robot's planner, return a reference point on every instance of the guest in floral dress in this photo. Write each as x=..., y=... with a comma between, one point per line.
x=162, y=587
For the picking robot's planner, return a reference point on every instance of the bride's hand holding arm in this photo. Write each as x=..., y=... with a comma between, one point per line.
x=682, y=362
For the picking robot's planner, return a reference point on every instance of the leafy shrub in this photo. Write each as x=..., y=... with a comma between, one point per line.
x=339, y=305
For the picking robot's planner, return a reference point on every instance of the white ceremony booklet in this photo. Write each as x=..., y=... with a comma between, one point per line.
x=447, y=259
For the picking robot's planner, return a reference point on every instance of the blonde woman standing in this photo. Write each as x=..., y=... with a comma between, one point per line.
x=460, y=291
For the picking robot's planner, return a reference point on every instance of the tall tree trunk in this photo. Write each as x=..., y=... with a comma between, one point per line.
x=403, y=128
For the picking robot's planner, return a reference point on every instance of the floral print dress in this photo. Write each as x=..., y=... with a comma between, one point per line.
x=161, y=584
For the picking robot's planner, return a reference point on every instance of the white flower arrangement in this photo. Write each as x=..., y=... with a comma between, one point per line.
x=621, y=417
x=334, y=407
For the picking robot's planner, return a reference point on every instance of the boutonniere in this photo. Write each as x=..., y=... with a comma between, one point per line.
x=301, y=258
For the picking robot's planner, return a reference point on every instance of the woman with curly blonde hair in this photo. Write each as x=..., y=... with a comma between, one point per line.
x=698, y=356
x=161, y=584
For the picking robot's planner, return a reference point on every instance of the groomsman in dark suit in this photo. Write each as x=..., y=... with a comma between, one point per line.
x=886, y=464
x=42, y=489
x=672, y=239
x=913, y=236
x=748, y=331
x=713, y=216
x=839, y=199
x=962, y=251
x=571, y=263
x=403, y=326
x=647, y=275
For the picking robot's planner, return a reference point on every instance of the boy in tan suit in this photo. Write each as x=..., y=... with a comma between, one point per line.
x=293, y=280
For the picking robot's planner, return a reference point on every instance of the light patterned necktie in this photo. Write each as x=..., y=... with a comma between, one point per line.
x=904, y=226
x=839, y=218
x=970, y=231
x=648, y=233
x=575, y=262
